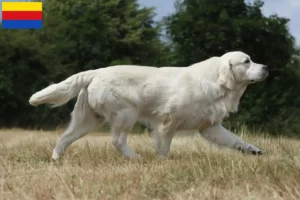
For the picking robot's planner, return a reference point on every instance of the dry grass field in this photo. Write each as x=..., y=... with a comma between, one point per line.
x=92, y=169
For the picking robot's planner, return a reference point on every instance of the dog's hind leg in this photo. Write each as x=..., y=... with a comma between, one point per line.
x=122, y=124
x=83, y=121
x=119, y=141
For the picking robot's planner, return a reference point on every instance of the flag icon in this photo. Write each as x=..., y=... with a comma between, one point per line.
x=22, y=15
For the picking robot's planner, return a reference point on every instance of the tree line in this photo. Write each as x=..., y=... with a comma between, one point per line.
x=82, y=35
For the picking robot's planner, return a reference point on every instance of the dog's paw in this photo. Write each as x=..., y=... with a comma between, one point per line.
x=249, y=148
x=55, y=156
x=135, y=156
x=253, y=150
x=131, y=154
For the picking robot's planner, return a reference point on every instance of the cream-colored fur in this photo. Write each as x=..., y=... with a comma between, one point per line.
x=169, y=99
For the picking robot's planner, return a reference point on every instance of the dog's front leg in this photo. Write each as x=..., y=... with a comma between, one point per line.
x=223, y=137
x=162, y=135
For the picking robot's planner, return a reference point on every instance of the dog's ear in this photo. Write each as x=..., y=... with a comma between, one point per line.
x=226, y=77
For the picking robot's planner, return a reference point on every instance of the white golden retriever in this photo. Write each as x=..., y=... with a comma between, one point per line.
x=170, y=99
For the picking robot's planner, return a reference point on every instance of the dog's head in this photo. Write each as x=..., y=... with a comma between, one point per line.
x=238, y=68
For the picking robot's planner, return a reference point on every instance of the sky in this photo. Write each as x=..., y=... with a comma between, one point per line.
x=284, y=8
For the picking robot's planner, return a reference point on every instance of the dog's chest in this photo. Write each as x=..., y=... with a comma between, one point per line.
x=199, y=115
x=201, y=112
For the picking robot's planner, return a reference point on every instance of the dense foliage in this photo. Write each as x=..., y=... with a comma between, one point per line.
x=76, y=36
x=80, y=35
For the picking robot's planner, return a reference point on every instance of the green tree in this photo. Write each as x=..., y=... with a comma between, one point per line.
x=76, y=36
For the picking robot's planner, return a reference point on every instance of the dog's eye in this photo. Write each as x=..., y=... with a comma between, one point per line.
x=247, y=61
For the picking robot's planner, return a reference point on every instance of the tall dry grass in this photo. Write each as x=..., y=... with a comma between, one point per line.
x=92, y=169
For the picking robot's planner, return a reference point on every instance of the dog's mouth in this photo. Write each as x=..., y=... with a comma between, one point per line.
x=264, y=76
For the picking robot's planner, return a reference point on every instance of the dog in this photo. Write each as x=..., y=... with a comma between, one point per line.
x=169, y=99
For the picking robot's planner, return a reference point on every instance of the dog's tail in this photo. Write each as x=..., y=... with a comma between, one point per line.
x=60, y=93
